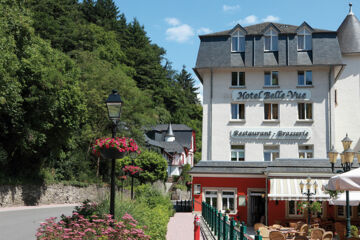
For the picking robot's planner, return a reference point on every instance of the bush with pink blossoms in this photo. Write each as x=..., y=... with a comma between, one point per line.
x=89, y=229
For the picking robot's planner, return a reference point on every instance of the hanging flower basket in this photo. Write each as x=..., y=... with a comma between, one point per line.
x=132, y=170
x=111, y=148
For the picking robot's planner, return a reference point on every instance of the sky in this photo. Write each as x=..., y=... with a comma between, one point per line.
x=176, y=24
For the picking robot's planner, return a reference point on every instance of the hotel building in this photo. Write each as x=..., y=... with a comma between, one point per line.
x=277, y=97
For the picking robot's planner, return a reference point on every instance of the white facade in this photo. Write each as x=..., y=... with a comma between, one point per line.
x=218, y=125
x=346, y=108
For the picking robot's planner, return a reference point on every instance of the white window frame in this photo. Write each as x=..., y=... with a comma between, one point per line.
x=237, y=110
x=211, y=195
x=197, y=189
x=306, y=72
x=234, y=197
x=238, y=35
x=304, y=32
x=238, y=79
x=271, y=151
x=306, y=151
x=271, y=34
x=288, y=210
x=271, y=78
x=306, y=118
x=271, y=112
x=237, y=153
x=344, y=211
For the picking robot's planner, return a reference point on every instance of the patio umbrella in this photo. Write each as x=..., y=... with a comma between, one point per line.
x=349, y=181
x=354, y=199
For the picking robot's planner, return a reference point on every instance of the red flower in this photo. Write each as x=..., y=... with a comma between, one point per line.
x=121, y=144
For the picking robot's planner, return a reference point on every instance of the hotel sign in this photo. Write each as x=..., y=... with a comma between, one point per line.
x=260, y=95
x=272, y=133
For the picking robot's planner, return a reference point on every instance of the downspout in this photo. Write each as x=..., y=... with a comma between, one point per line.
x=253, y=58
x=210, y=117
x=330, y=112
x=266, y=200
x=287, y=50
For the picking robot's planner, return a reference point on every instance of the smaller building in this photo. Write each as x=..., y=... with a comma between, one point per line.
x=176, y=142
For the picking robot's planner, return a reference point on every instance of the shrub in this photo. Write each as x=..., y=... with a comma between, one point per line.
x=93, y=228
x=150, y=208
x=354, y=231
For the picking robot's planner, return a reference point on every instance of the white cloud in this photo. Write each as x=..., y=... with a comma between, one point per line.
x=251, y=19
x=227, y=8
x=172, y=21
x=271, y=18
x=203, y=30
x=180, y=33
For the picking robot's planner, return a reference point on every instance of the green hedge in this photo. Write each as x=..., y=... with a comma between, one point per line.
x=151, y=208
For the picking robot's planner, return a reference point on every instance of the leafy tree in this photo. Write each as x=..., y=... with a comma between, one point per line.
x=153, y=164
x=41, y=101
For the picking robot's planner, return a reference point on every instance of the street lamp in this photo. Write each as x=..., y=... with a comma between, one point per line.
x=308, y=194
x=347, y=158
x=113, y=104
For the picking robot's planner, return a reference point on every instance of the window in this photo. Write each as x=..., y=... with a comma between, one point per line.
x=238, y=79
x=294, y=208
x=271, y=78
x=237, y=111
x=211, y=198
x=228, y=199
x=238, y=42
x=341, y=211
x=304, y=78
x=306, y=151
x=197, y=189
x=271, y=153
x=304, y=40
x=237, y=153
x=271, y=111
x=271, y=40
x=305, y=111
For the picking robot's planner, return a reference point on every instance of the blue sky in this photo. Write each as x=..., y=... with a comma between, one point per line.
x=175, y=25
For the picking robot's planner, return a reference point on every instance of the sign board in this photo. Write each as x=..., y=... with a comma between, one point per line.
x=279, y=94
x=242, y=201
x=272, y=133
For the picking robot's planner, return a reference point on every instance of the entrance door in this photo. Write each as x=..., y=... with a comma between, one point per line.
x=256, y=208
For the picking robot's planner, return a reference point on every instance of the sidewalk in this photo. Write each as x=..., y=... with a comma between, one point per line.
x=181, y=227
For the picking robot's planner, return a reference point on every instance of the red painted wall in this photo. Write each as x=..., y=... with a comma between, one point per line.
x=242, y=185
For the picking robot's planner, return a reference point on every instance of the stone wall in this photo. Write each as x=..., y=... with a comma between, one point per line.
x=31, y=195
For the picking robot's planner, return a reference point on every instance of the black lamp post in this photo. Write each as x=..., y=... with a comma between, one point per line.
x=113, y=104
x=347, y=158
x=308, y=194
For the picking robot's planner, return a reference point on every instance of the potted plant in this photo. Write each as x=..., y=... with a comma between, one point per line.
x=114, y=148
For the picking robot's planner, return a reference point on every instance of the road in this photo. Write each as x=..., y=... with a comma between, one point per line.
x=21, y=223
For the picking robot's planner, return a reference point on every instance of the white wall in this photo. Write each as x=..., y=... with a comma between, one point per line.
x=347, y=109
x=254, y=113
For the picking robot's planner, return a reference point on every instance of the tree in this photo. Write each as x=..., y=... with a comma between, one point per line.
x=153, y=164
x=41, y=101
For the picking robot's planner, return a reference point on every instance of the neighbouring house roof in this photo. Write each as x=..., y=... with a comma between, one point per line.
x=349, y=34
x=182, y=133
x=293, y=167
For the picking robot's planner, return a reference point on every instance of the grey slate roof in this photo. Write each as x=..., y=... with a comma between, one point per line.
x=349, y=35
x=299, y=166
x=258, y=29
x=215, y=49
x=175, y=127
x=182, y=133
x=170, y=147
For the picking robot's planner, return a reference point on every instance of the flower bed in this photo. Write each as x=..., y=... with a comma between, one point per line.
x=77, y=227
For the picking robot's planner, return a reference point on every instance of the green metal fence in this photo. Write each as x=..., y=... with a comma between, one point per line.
x=224, y=228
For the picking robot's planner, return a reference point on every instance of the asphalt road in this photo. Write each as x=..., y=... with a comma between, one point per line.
x=22, y=223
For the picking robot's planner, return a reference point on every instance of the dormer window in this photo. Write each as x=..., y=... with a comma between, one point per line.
x=304, y=39
x=237, y=42
x=271, y=40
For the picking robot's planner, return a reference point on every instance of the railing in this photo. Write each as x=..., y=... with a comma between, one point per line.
x=224, y=228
